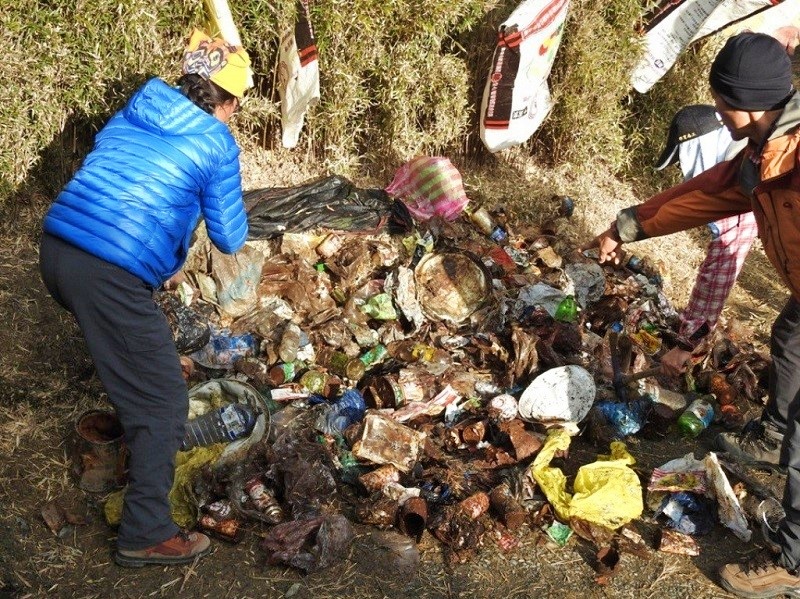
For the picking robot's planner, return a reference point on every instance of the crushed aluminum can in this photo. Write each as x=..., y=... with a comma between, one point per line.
x=314, y=381
x=525, y=443
x=282, y=373
x=503, y=503
x=340, y=363
x=374, y=355
x=606, y=562
x=473, y=433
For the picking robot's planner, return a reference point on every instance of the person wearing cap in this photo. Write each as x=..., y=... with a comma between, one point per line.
x=751, y=83
x=698, y=140
x=119, y=229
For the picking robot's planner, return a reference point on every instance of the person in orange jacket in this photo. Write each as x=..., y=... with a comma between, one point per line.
x=751, y=83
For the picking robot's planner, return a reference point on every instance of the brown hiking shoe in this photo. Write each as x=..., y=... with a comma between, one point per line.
x=761, y=577
x=183, y=548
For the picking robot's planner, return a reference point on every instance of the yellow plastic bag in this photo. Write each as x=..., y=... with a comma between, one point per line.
x=607, y=492
x=183, y=504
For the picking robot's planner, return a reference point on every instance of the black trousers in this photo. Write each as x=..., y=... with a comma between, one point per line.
x=133, y=351
x=782, y=412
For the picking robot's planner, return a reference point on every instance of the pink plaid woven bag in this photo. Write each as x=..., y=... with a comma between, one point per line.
x=429, y=185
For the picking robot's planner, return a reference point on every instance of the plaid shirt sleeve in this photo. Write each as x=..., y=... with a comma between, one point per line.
x=717, y=274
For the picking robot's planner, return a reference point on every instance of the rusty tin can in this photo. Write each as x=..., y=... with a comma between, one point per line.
x=383, y=392
x=282, y=373
x=340, y=363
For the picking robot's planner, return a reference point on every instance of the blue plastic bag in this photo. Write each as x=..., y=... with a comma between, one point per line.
x=626, y=418
x=346, y=410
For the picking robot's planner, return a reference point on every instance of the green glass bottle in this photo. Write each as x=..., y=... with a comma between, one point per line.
x=567, y=310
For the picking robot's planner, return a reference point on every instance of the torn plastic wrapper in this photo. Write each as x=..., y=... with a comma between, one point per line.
x=305, y=470
x=237, y=277
x=672, y=541
x=687, y=513
x=680, y=474
x=586, y=282
x=433, y=407
x=729, y=511
x=189, y=329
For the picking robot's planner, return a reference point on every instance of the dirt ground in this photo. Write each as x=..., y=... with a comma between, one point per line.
x=46, y=381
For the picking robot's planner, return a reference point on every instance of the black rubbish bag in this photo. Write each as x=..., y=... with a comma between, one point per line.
x=332, y=202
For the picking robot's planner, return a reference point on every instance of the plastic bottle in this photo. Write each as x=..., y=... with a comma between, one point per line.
x=224, y=424
x=567, y=310
x=481, y=219
x=697, y=417
x=290, y=343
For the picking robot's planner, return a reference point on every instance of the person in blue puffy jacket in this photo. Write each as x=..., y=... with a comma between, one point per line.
x=119, y=229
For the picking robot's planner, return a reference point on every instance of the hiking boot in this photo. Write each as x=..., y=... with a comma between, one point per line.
x=761, y=577
x=183, y=548
x=757, y=445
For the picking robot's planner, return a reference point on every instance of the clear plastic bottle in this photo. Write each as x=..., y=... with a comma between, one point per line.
x=228, y=423
x=290, y=343
x=696, y=418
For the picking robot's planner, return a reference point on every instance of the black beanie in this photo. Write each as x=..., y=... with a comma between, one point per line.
x=752, y=72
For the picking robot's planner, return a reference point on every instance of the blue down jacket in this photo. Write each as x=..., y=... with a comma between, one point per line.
x=156, y=166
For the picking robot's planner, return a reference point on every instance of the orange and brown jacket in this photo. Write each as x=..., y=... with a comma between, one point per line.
x=717, y=193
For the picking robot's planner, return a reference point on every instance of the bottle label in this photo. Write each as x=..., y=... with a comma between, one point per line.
x=232, y=421
x=703, y=411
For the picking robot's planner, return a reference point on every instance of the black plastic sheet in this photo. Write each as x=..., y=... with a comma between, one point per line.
x=332, y=202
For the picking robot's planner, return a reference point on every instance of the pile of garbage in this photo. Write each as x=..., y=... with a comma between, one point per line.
x=421, y=368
